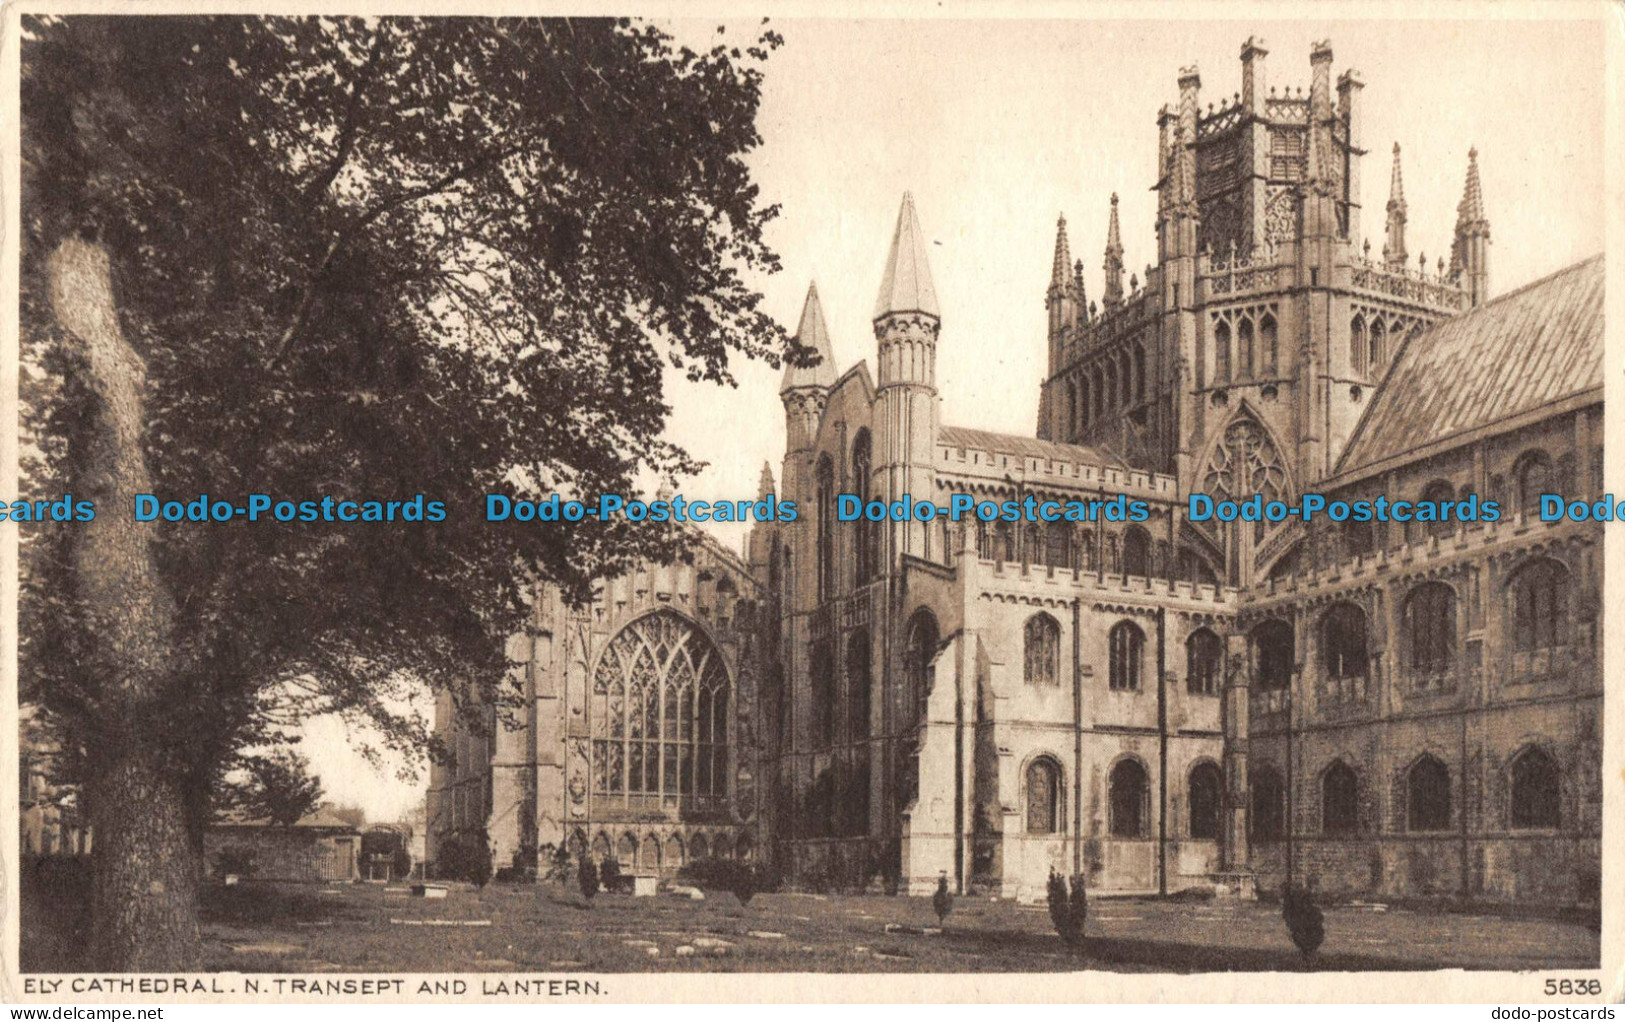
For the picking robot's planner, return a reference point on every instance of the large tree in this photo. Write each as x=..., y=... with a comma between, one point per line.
x=314, y=257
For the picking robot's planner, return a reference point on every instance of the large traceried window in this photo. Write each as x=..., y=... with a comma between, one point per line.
x=660, y=716
x=1043, y=796
x=1246, y=462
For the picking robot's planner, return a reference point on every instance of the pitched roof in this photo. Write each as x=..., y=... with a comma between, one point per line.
x=1516, y=354
x=323, y=818
x=1024, y=446
x=812, y=333
x=907, y=286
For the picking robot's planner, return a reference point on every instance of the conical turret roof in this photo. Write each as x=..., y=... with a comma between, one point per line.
x=765, y=488
x=1063, y=258
x=1471, y=209
x=1396, y=183
x=812, y=333
x=907, y=286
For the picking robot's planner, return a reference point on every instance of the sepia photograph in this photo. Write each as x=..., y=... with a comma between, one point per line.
x=551, y=505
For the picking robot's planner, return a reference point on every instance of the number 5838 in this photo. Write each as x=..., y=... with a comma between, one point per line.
x=1573, y=987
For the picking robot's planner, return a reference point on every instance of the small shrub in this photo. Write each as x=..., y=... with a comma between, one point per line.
x=587, y=877
x=610, y=873
x=1068, y=908
x=742, y=879
x=234, y=859
x=465, y=856
x=558, y=863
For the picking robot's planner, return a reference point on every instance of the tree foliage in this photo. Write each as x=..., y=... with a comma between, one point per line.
x=277, y=786
x=367, y=259
x=375, y=258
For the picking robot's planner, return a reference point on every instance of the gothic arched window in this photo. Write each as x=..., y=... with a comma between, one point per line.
x=1004, y=543
x=1267, y=820
x=1273, y=654
x=1266, y=338
x=1206, y=797
x=1357, y=344
x=821, y=667
x=1430, y=628
x=1042, y=642
x=1136, y=551
x=1339, y=800
x=1358, y=538
x=1111, y=383
x=1139, y=372
x=1428, y=793
x=1204, y=663
x=919, y=650
x=1221, y=352
x=1539, y=605
x=660, y=714
x=1043, y=796
x=1058, y=545
x=859, y=686
x=1536, y=790
x=1440, y=492
x=1343, y=642
x=1533, y=472
x=864, y=531
x=1071, y=409
x=1129, y=799
x=826, y=529
x=1244, y=349
x=1126, y=649
x=1085, y=413
x=1245, y=462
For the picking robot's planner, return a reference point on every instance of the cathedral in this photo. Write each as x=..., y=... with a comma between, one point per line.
x=1365, y=708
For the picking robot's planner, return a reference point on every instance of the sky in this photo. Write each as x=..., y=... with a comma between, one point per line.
x=998, y=127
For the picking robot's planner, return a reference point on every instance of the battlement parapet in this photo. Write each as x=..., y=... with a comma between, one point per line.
x=1469, y=539
x=1018, y=579
x=1003, y=468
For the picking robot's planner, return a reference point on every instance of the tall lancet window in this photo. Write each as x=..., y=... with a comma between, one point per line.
x=826, y=529
x=865, y=532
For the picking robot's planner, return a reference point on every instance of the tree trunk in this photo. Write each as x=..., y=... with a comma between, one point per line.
x=144, y=902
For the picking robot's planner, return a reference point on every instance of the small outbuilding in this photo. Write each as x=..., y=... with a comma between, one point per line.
x=320, y=848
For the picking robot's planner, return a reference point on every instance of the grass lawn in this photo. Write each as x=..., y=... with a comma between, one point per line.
x=356, y=928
